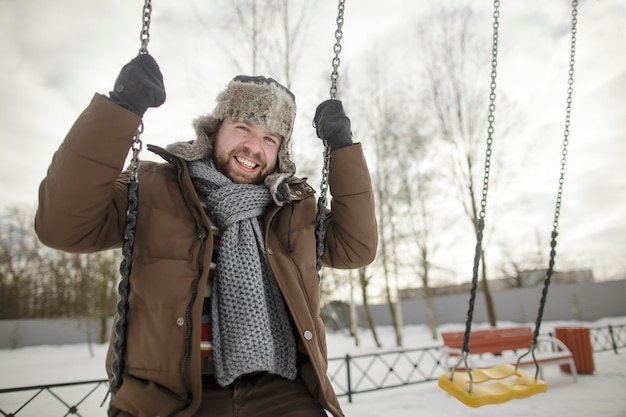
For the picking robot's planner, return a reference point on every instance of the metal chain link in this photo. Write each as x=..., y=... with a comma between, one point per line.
x=144, y=36
x=321, y=202
x=559, y=196
x=334, y=76
x=483, y=203
x=121, y=326
x=119, y=346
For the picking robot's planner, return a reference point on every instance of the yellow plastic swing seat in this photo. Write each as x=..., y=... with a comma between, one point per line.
x=510, y=383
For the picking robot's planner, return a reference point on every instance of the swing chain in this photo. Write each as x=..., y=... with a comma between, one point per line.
x=321, y=202
x=492, y=107
x=568, y=114
x=559, y=196
x=121, y=324
x=144, y=36
x=480, y=225
x=321, y=209
x=337, y=49
x=136, y=147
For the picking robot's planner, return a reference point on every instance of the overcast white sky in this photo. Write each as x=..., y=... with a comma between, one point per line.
x=55, y=55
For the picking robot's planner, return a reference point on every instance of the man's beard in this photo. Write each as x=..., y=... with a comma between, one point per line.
x=222, y=164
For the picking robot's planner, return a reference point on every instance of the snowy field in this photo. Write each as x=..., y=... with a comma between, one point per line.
x=599, y=394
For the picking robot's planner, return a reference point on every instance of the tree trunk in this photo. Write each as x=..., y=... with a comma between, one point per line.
x=430, y=308
x=354, y=320
x=366, y=309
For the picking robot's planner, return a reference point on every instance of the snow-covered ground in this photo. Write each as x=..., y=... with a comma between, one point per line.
x=598, y=394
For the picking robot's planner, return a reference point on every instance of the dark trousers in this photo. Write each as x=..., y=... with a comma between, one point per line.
x=258, y=395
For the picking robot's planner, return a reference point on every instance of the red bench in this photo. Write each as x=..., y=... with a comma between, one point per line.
x=489, y=347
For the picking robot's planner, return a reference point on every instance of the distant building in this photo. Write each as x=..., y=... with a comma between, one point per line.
x=525, y=279
x=537, y=277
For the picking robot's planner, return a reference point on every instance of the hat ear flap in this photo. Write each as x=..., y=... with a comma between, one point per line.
x=273, y=182
x=206, y=127
x=284, y=163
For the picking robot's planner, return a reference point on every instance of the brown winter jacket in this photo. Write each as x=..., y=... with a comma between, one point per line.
x=82, y=203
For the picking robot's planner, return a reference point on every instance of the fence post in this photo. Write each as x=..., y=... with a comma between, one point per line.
x=613, y=342
x=348, y=377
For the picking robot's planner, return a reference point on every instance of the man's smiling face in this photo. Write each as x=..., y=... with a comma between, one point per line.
x=245, y=152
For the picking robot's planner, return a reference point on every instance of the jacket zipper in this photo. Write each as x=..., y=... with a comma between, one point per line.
x=289, y=303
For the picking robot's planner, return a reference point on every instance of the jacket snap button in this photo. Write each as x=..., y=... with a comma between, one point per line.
x=180, y=321
x=298, y=192
x=270, y=251
x=308, y=335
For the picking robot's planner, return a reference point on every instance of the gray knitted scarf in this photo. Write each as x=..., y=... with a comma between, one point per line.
x=251, y=329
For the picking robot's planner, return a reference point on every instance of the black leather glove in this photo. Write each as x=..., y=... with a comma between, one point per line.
x=139, y=85
x=332, y=124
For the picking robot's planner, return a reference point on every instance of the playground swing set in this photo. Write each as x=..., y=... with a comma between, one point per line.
x=473, y=387
x=505, y=382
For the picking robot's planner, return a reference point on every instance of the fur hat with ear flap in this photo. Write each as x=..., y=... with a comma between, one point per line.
x=259, y=100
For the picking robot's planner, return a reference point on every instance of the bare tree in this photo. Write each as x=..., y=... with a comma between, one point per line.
x=269, y=32
x=354, y=321
x=364, y=281
x=287, y=46
x=39, y=282
x=513, y=268
x=383, y=116
x=18, y=263
x=418, y=192
x=253, y=18
x=453, y=100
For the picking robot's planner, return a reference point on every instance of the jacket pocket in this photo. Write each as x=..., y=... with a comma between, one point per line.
x=145, y=399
